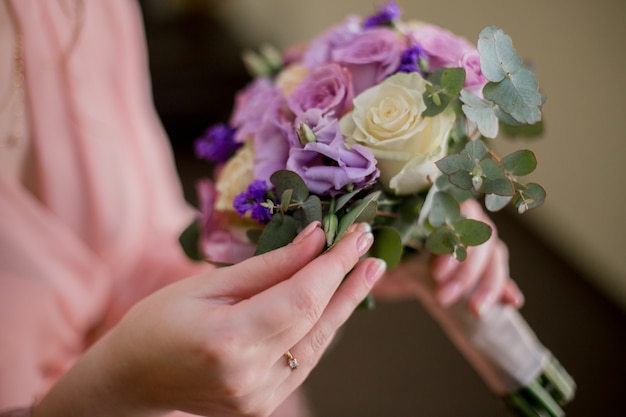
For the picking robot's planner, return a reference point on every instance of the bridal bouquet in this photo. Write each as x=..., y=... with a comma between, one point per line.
x=391, y=123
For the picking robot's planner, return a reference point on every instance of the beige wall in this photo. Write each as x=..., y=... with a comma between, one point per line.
x=577, y=48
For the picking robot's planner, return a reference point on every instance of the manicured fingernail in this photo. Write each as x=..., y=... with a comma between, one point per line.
x=449, y=293
x=362, y=227
x=306, y=231
x=364, y=242
x=375, y=270
x=483, y=303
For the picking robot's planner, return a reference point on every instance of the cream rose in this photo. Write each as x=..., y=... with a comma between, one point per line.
x=234, y=177
x=387, y=119
x=290, y=77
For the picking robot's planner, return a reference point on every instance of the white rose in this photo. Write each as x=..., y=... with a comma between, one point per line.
x=387, y=119
x=234, y=177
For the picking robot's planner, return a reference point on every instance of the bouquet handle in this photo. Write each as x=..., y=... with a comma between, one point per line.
x=506, y=353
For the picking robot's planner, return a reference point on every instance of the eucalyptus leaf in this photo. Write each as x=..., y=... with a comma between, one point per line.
x=446, y=85
x=495, y=180
x=472, y=232
x=494, y=202
x=520, y=163
x=311, y=209
x=476, y=149
x=481, y=112
x=285, y=180
x=285, y=199
x=512, y=86
x=454, y=163
x=529, y=197
x=387, y=245
x=281, y=230
x=445, y=209
x=442, y=240
x=462, y=179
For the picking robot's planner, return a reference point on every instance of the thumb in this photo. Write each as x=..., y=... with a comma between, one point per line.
x=256, y=274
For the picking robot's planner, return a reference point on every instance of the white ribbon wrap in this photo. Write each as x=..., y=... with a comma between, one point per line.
x=500, y=345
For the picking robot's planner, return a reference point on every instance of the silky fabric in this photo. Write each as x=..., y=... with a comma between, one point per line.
x=90, y=203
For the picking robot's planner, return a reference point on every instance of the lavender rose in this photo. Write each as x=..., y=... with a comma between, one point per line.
x=370, y=55
x=327, y=88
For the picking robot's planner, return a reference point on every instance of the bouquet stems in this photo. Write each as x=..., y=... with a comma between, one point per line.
x=506, y=353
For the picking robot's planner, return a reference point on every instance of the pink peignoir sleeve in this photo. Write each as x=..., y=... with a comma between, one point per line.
x=89, y=219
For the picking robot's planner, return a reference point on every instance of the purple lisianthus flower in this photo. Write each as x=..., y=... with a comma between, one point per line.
x=385, y=15
x=251, y=107
x=217, y=143
x=259, y=116
x=330, y=167
x=250, y=201
x=327, y=88
x=410, y=58
x=319, y=50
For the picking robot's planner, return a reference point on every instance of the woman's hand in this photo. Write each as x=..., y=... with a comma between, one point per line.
x=214, y=344
x=483, y=277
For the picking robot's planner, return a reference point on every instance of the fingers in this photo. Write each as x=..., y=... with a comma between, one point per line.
x=512, y=295
x=311, y=347
x=491, y=285
x=456, y=278
x=301, y=300
x=254, y=275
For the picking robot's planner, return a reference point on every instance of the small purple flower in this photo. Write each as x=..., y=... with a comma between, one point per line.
x=217, y=143
x=410, y=58
x=251, y=201
x=385, y=15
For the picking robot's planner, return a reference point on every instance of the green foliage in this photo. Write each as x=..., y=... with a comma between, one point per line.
x=189, y=240
x=446, y=83
x=476, y=169
x=482, y=112
x=512, y=86
x=387, y=245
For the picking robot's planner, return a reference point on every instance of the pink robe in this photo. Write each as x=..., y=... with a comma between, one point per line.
x=90, y=204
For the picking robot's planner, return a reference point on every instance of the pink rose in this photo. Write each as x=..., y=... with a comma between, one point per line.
x=445, y=49
x=369, y=54
x=220, y=240
x=327, y=88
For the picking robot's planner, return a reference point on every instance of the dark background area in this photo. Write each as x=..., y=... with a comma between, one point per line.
x=395, y=361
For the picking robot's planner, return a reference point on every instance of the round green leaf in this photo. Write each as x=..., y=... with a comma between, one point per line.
x=445, y=209
x=472, y=232
x=387, y=245
x=285, y=180
x=442, y=240
x=520, y=163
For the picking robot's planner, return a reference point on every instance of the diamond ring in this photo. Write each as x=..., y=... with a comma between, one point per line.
x=291, y=360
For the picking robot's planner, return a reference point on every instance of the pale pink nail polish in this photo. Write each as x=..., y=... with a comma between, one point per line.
x=375, y=270
x=364, y=242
